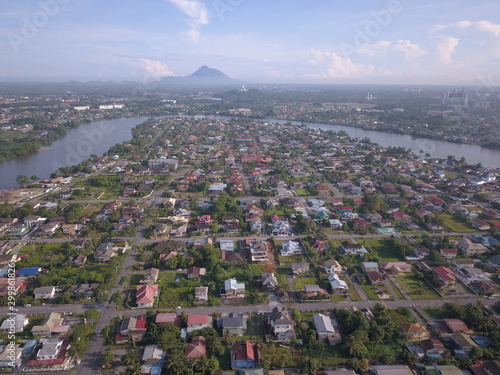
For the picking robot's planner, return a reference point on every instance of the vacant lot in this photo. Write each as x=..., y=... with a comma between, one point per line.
x=382, y=247
x=454, y=224
x=416, y=289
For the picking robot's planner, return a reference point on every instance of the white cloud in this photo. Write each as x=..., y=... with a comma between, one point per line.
x=446, y=47
x=483, y=26
x=409, y=50
x=155, y=69
x=341, y=67
x=197, y=13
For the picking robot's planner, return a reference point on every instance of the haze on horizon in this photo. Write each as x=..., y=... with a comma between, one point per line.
x=283, y=41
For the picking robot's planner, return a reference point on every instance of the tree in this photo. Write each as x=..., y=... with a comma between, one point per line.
x=34, y=178
x=22, y=180
x=107, y=358
x=130, y=358
x=92, y=314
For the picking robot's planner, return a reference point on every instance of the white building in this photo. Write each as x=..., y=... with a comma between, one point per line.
x=291, y=248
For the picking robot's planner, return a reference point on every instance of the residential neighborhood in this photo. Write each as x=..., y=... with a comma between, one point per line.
x=211, y=248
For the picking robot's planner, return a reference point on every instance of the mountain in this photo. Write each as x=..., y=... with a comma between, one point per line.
x=206, y=72
x=202, y=77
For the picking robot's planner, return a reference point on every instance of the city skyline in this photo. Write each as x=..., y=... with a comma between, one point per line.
x=373, y=42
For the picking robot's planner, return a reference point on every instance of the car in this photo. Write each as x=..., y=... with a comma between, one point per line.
x=27, y=305
x=178, y=307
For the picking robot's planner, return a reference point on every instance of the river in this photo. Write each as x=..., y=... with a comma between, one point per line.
x=98, y=136
x=76, y=146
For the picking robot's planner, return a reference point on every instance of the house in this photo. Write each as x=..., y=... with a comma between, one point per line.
x=448, y=253
x=352, y=246
x=494, y=262
x=34, y=220
x=14, y=323
x=469, y=275
x=197, y=321
x=196, y=349
x=433, y=348
x=325, y=329
x=414, y=331
x=47, y=325
x=50, y=349
x=282, y=295
x=335, y=224
x=44, y=292
x=463, y=263
x=80, y=260
x=201, y=293
x=168, y=318
x=29, y=272
x=313, y=292
x=395, y=268
x=193, y=272
x=146, y=294
x=19, y=231
x=300, y=267
x=83, y=290
x=469, y=248
x=369, y=266
x=332, y=266
x=233, y=289
x=153, y=354
x=234, y=324
x=233, y=257
x=258, y=250
x=281, y=228
x=226, y=245
x=269, y=281
x=485, y=288
x=10, y=356
x=105, y=252
x=391, y=370
x=444, y=275
x=291, y=248
x=374, y=277
x=492, y=367
x=281, y=323
x=455, y=325
x=338, y=285
x=150, y=276
x=133, y=327
x=463, y=342
x=245, y=355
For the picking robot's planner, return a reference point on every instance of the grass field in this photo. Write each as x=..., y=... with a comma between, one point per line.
x=455, y=225
x=382, y=247
x=416, y=290
x=299, y=282
x=176, y=294
x=370, y=292
x=353, y=294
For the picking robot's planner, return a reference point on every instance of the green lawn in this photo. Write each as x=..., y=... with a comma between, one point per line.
x=353, y=294
x=396, y=290
x=176, y=294
x=329, y=355
x=381, y=247
x=282, y=273
x=287, y=259
x=455, y=225
x=299, y=282
x=370, y=292
x=416, y=290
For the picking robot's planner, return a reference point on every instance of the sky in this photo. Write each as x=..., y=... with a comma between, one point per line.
x=262, y=41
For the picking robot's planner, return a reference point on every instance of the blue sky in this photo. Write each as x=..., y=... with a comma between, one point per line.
x=277, y=41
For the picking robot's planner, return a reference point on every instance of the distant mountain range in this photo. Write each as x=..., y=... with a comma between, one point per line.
x=204, y=76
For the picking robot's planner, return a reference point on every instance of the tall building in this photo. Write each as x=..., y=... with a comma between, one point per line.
x=455, y=98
